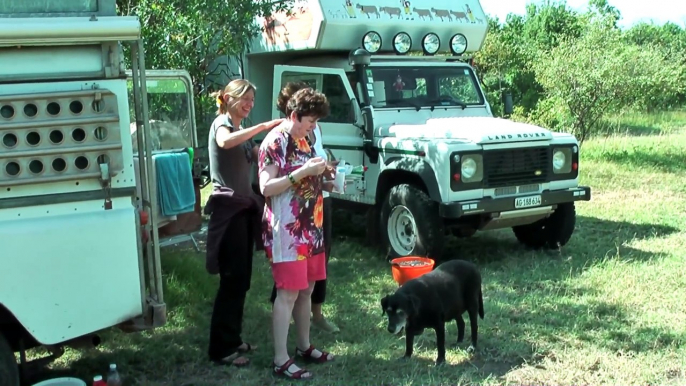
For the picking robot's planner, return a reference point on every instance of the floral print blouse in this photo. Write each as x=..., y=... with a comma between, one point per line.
x=292, y=223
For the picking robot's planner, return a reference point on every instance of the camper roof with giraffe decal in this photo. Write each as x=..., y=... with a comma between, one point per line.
x=400, y=26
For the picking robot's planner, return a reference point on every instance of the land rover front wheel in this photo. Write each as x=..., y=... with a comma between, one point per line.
x=9, y=371
x=552, y=232
x=410, y=224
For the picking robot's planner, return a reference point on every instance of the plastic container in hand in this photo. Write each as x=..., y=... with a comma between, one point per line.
x=339, y=180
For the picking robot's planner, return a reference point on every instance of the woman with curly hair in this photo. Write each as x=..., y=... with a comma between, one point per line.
x=290, y=176
x=315, y=139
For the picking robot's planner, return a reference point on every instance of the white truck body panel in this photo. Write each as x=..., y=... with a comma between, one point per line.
x=124, y=176
x=72, y=264
x=340, y=24
x=72, y=260
x=81, y=261
x=68, y=30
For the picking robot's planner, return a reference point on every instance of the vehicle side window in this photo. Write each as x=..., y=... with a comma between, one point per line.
x=461, y=88
x=169, y=112
x=334, y=89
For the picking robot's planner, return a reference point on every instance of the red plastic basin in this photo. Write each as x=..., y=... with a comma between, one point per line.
x=410, y=267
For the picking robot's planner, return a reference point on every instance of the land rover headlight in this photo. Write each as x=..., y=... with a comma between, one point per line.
x=371, y=41
x=469, y=168
x=402, y=42
x=431, y=43
x=458, y=44
x=562, y=160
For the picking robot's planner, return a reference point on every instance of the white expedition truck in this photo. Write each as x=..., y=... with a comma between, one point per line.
x=437, y=160
x=80, y=242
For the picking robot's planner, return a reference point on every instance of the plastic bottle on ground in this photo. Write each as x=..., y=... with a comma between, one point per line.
x=113, y=377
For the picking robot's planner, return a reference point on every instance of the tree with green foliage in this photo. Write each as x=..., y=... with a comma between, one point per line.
x=192, y=34
x=504, y=62
x=599, y=73
x=669, y=38
x=574, y=91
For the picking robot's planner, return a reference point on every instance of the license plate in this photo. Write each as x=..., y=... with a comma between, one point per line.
x=526, y=202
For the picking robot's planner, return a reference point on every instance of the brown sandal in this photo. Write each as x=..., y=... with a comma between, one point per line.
x=232, y=360
x=248, y=348
x=283, y=371
x=307, y=355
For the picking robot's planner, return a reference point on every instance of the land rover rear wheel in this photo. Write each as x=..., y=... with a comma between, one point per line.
x=9, y=371
x=410, y=225
x=552, y=232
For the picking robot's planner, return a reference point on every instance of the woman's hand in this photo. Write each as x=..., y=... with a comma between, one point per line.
x=272, y=124
x=330, y=172
x=314, y=166
x=227, y=139
x=328, y=186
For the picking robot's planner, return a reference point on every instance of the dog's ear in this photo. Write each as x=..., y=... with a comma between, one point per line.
x=384, y=305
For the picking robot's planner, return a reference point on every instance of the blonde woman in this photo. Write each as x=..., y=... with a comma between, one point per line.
x=235, y=215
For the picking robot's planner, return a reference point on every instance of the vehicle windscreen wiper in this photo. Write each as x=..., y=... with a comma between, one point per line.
x=447, y=99
x=406, y=101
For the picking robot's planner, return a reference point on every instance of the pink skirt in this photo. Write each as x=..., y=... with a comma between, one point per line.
x=297, y=275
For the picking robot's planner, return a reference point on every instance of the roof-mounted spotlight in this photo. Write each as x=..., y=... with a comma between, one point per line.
x=402, y=42
x=431, y=43
x=371, y=41
x=458, y=44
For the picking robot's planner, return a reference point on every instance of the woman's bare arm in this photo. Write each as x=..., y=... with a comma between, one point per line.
x=226, y=139
x=271, y=185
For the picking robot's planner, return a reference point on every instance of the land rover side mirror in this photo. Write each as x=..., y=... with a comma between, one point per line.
x=368, y=134
x=356, y=113
x=508, y=105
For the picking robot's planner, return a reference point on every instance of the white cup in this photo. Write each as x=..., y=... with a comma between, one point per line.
x=339, y=180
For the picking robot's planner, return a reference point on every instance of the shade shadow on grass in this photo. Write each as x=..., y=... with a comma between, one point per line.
x=531, y=302
x=629, y=130
x=667, y=162
x=177, y=352
x=593, y=239
x=517, y=279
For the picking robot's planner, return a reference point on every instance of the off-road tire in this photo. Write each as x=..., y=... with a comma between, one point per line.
x=552, y=232
x=9, y=371
x=430, y=236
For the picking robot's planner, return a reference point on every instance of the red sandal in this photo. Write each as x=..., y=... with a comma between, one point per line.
x=283, y=371
x=307, y=355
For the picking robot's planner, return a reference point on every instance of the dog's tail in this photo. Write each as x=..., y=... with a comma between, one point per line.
x=481, y=304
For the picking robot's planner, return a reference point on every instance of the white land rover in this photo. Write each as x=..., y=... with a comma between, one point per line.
x=439, y=162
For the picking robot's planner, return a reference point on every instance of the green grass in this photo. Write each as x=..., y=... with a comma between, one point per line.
x=609, y=308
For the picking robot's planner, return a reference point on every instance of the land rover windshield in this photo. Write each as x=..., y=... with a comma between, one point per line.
x=419, y=87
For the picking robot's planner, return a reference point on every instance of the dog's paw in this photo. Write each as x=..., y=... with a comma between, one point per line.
x=403, y=358
x=440, y=362
x=471, y=349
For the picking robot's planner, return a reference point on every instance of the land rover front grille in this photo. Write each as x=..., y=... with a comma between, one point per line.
x=516, y=166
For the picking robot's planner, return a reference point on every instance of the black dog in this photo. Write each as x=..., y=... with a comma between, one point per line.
x=433, y=299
